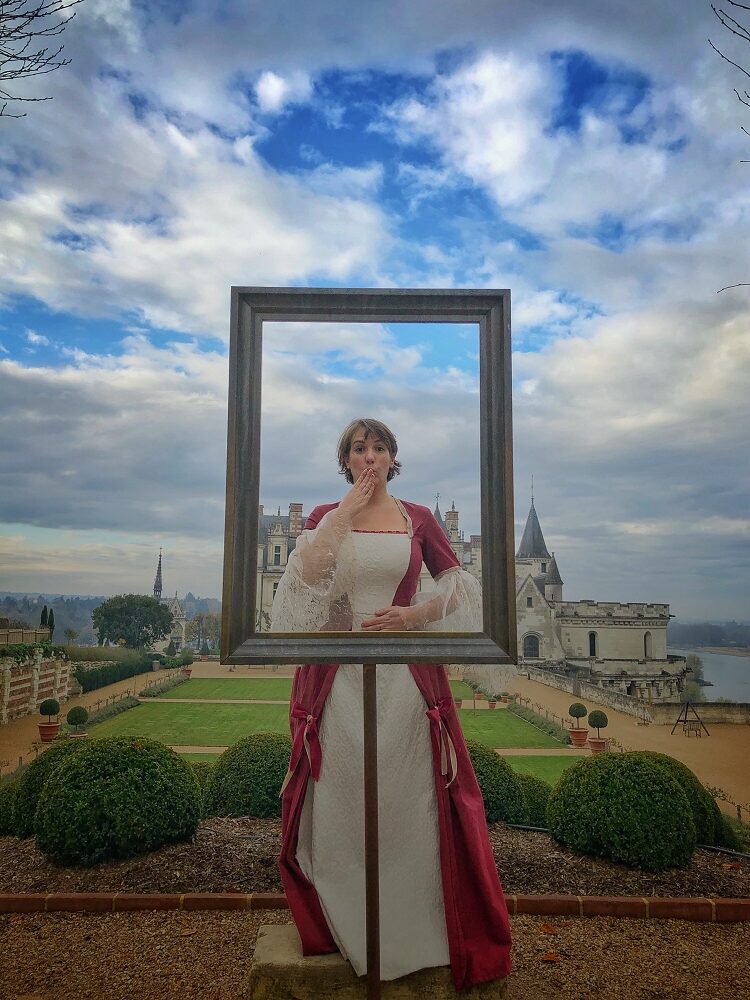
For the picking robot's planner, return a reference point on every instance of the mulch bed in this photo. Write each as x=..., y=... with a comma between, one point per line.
x=240, y=855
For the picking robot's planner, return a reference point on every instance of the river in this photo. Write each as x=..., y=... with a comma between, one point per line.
x=729, y=675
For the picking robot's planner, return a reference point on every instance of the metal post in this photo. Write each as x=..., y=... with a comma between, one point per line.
x=372, y=876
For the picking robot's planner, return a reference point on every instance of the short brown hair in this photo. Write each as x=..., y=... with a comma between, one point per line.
x=372, y=428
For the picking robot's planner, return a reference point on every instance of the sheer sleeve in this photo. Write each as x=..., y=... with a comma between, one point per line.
x=312, y=595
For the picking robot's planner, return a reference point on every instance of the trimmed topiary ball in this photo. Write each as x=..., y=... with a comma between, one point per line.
x=624, y=807
x=246, y=780
x=7, y=796
x=77, y=716
x=114, y=798
x=31, y=782
x=536, y=793
x=202, y=769
x=499, y=785
x=703, y=807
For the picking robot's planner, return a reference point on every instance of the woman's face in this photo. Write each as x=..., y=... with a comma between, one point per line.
x=368, y=452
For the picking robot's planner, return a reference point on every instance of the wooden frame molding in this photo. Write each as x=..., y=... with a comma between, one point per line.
x=250, y=309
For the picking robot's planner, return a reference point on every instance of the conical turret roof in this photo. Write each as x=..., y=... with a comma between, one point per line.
x=532, y=543
x=439, y=518
x=553, y=577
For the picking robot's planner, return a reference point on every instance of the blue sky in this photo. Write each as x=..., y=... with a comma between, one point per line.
x=587, y=158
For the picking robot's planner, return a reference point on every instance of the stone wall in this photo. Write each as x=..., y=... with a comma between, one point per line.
x=737, y=712
x=23, y=686
x=591, y=692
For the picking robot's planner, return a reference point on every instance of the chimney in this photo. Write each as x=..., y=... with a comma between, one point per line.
x=295, y=520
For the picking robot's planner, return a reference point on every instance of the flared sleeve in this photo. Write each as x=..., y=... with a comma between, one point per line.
x=313, y=593
x=455, y=605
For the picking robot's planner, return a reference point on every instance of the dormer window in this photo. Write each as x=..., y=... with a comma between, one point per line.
x=544, y=567
x=277, y=555
x=529, y=602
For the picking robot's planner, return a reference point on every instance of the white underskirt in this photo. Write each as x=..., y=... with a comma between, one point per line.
x=330, y=850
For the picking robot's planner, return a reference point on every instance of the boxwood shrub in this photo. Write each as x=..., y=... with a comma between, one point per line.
x=7, y=795
x=114, y=798
x=536, y=793
x=32, y=781
x=247, y=777
x=623, y=807
x=499, y=785
x=707, y=822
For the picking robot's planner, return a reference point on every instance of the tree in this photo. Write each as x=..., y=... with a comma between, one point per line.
x=195, y=631
x=171, y=648
x=51, y=622
x=212, y=629
x=70, y=634
x=137, y=620
x=43, y=618
x=24, y=25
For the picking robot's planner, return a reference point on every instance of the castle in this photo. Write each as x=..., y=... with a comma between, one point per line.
x=619, y=646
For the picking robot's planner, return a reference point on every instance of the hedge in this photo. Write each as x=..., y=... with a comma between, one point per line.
x=31, y=783
x=623, y=807
x=536, y=793
x=115, y=798
x=499, y=785
x=246, y=779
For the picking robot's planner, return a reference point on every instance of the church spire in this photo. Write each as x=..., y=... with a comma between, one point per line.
x=157, y=581
x=532, y=543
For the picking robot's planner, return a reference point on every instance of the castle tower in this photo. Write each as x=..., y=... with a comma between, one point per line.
x=451, y=523
x=553, y=582
x=295, y=520
x=157, y=581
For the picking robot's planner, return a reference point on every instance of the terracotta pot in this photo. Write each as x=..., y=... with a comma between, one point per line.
x=48, y=731
x=187, y=671
x=491, y=702
x=505, y=700
x=458, y=702
x=578, y=737
x=598, y=744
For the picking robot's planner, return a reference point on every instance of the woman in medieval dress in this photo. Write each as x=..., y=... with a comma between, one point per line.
x=356, y=566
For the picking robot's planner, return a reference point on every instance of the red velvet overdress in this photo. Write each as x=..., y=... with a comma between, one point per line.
x=476, y=915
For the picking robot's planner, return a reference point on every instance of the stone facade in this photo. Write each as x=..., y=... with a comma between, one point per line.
x=178, y=635
x=621, y=647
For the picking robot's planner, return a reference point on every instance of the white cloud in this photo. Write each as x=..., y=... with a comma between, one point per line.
x=275, y=92
x=36, y=339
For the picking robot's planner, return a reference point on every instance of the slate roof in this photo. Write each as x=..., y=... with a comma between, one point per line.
x=532, y=543
x=553, y=573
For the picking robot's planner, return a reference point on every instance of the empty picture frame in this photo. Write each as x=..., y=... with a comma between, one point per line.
x=250, y=309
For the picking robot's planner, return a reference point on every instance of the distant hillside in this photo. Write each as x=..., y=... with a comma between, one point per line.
x=74, y=612
x=691, y=635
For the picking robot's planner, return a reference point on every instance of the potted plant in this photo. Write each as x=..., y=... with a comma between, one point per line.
x=578, y=736
x=458, y=702
x=505, y=695
x=491, y=700
x=48, y=730
x=598, y=720
x=76, y=717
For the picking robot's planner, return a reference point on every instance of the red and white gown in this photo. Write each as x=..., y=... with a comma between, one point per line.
x=441, y=902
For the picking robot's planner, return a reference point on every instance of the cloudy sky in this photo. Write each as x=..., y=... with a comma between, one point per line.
x=585, y=155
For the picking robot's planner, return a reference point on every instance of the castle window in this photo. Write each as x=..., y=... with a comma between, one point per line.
x=277, y=555
x=593, y=651
x=647, y=647
x=529, y=602
x=275, y=588
x=544, y=567
x=531, y=647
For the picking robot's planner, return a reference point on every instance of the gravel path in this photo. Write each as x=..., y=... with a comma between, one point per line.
x=240, y=854
x=205, y=956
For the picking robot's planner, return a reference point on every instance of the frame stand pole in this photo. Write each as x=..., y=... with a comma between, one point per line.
x=372, y=878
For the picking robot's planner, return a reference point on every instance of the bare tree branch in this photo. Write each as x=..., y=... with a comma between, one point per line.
x=740, y=284
x=22, y=24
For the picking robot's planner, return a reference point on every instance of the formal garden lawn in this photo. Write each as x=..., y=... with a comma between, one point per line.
x=461, y=689
x=548, y=769
x=182, y=724
x=262, y=688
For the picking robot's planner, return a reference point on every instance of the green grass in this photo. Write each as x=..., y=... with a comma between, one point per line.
x=461, y=689
x=183, y=724
x=262, y=688
x=191, y=757
x=548, y=769
x=195, y=725
x=500, y=728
